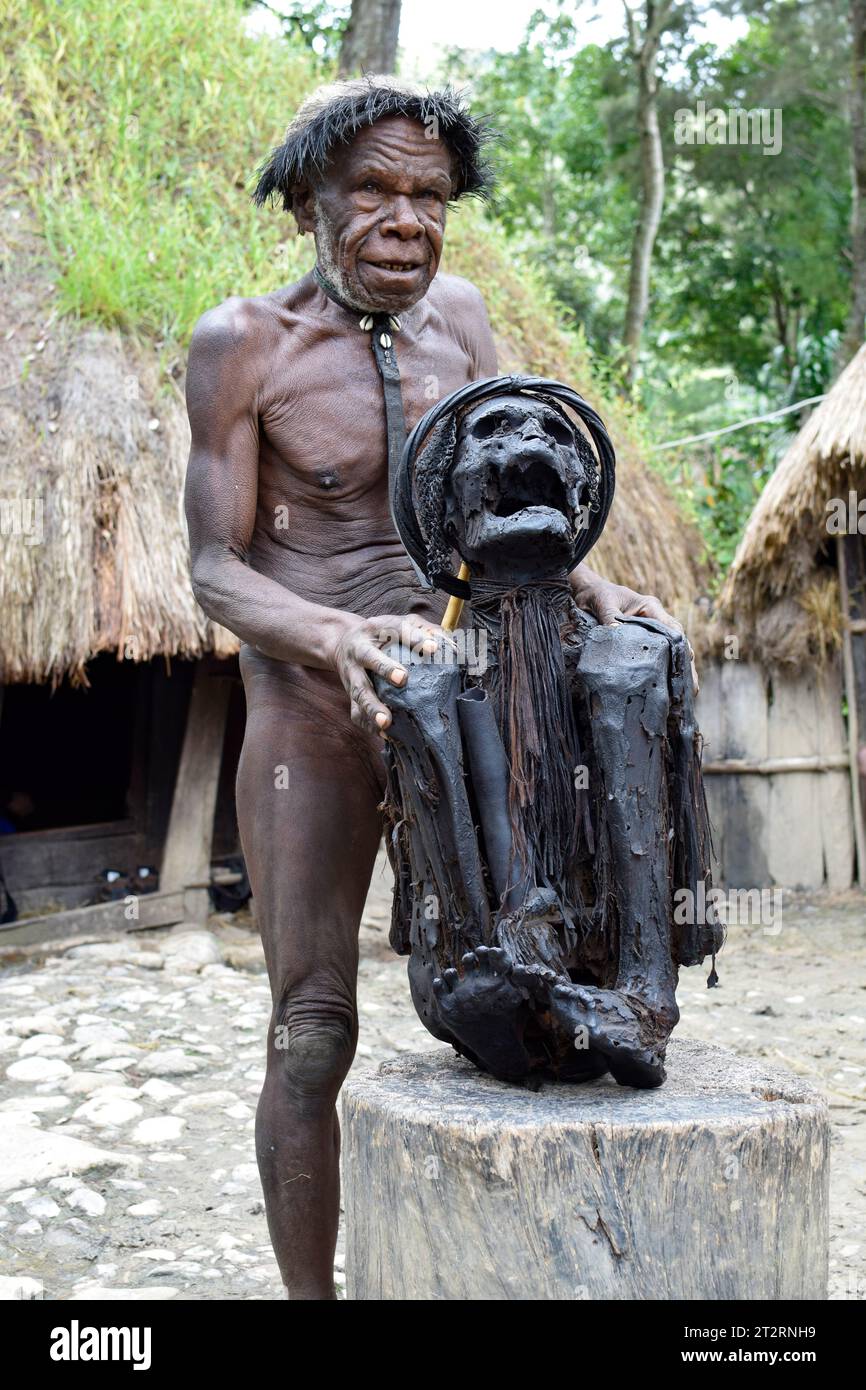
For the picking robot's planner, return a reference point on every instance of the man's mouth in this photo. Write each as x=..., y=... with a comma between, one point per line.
x=395, y=267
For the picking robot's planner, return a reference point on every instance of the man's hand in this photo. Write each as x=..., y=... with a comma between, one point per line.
x=610, y=602
x=358, y=653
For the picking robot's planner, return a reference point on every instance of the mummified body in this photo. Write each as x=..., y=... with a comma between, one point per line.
x=545, y=798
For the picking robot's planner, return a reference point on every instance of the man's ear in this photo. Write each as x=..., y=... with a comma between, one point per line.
x=304, y=208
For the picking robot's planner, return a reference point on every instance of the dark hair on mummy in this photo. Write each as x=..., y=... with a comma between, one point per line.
x=332, y=116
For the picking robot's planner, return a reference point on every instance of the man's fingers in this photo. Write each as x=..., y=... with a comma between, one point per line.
x=368, y=712
x=606, y=611
x=374, y=660
x=651, y=608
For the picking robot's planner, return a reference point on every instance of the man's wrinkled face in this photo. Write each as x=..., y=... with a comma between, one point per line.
x=379, y=215
x=518, y=489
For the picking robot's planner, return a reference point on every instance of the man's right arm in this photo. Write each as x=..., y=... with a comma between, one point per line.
x=220, y=498
x=221, y=493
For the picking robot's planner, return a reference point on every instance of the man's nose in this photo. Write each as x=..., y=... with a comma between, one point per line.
x=401, y=219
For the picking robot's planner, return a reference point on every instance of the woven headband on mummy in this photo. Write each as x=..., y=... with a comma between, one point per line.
x=455, y=405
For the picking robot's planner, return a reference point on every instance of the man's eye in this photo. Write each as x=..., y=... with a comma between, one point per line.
x=370, y=186
x=431, y=193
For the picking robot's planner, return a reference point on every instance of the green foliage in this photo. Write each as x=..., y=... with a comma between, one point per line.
x=137, y=147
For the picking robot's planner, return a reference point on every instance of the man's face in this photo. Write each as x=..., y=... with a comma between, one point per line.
x=379, y=215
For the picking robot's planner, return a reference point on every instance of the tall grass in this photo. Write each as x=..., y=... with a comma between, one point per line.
x=135, y=130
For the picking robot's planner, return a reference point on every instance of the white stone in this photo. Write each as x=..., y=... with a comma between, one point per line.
x=100, y=1032
x=191, y=951
x=163, y=1256
x=44, y=1207
x=149, y=1208
x=19, y=1287
x=39, y=1069
x=22, y=1196
x=226, y=1241
x=107, y=952
x=29, y=1024
x=37, y=1104
x=19, y=1117
x=204, y=1100
x=38, y=1154
x=44, y=1044
x=168, y=1062
x=156, y=1089
x=100, y=1294
x=29, y=1228
x=106, y=1112
x=86, y=1200
x=115, y=1064
x=246, y=1172
x=85, y=1082
x=104, y=1049
x=160, y=1129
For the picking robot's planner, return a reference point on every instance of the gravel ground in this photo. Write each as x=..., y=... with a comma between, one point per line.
x=131, y=1068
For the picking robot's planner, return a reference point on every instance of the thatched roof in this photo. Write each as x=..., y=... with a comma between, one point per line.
x=92, y=424
x=780, y=585
x=88, y=431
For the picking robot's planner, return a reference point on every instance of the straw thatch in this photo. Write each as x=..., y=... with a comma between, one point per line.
x=90, y=441
x=92, y=427
x=780, y=588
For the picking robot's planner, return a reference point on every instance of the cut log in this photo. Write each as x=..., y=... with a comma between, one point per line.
x=459, y=1187
x=186, y=860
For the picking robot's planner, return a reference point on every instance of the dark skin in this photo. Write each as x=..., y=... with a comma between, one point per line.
x=293, y=549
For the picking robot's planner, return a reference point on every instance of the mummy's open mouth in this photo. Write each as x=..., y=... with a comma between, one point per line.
x=538, y=485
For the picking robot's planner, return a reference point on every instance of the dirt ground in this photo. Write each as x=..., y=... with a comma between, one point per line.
x=130, y=1071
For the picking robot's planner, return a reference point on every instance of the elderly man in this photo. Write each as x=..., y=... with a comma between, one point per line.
x=294, y=549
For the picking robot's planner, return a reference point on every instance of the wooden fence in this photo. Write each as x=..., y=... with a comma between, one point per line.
x=777, y=776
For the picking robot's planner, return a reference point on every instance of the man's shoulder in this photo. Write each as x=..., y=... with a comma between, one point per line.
x=234, y=323
x=454, y=292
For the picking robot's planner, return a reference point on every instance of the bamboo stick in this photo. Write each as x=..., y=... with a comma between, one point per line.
x=853, y=729
x=455, y=605
x=769, y=767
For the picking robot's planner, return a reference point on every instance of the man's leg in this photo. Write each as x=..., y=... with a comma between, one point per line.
x=307, y=810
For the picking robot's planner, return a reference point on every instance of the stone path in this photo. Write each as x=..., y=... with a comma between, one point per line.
x=130, y=1070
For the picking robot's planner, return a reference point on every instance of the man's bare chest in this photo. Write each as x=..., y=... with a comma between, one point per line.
x=322, y=414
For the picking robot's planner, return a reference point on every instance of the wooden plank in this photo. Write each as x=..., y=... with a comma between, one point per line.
x=746, y=800
x=835, y=815
x=187, y=855
x=154, y=910
x=792, y=834
x=67, y=856
x=708, y=711
x=853, y=712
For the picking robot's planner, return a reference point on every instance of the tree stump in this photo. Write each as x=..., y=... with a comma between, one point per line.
x=458, y=1186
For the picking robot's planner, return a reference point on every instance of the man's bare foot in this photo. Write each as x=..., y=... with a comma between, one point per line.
x=486, y=1012
x=620, y=1028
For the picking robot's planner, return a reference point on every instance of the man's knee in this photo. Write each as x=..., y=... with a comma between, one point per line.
x=313, y=1045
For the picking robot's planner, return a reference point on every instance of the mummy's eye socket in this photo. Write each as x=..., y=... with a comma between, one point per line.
x=491, y=424
x=558, y=430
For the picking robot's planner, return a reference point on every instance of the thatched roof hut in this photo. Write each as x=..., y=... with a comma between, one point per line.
x=94, y=553
x=781, y=593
